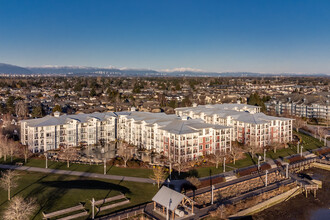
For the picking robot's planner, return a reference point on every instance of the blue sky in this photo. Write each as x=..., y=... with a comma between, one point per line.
x=257, y=36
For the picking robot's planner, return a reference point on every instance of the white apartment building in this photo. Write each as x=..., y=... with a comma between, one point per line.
x=180, y=138
x=249, y=125
x=51, y=132
x=308, y=106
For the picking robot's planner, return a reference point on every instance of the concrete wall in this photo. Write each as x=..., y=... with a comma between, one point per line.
x=270, y=202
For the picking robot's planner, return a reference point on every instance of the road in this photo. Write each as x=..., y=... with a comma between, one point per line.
x=77, y=173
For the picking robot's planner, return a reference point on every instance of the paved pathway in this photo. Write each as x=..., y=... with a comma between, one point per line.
x=77, y=173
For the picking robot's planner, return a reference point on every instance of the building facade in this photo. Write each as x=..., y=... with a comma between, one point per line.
x=50, y=132
x=249, y=125
x=181, y=139
x=302, y=106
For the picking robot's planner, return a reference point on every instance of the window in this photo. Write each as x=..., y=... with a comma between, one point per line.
x=200, y=147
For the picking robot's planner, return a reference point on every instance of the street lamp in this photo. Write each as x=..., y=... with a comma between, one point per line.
x=105, y=166
x=46, y=156
x=325, y=139
x=224, y=164
x=212, y=194
x=93, y=207
x=265, y=155
x=298, y=147
x=259, y=158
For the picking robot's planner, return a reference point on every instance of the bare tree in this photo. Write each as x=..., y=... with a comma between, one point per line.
x=179, y=165
x=274, y=146
x=252, y=149
x=217, y=157
x=20, y=209
x=13, y=147
x=321, y=133
x=298, y=123
x=21, y=109
x=8, y=181
x=26, y=152
x=158, y=175
x=125, y=152
x=69, y=154
x=236, y=151
x=4, y=145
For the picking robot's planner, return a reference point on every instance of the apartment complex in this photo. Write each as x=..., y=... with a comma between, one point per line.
x=180, y=138
x=51, y=132
x=250, y=126
x=308, y=106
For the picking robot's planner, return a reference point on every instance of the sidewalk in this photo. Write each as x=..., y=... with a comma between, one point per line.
x=77, y=173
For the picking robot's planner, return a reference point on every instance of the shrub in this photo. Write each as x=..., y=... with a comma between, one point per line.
x=296, y=159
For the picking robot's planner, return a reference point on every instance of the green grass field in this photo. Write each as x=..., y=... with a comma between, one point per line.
x=113, y=170
x=309, y=143
x=55, y=192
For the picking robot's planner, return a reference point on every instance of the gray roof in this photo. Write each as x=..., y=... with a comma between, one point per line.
x=242, y=116
x=321, y=98
x=189, y=126
x=171, y=123
x=63, y=119
x=227, y=106
x=168, y=198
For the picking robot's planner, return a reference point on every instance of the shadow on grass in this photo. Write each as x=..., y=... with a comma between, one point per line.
x=85, y=184
x=47, y=199
x=191, y=173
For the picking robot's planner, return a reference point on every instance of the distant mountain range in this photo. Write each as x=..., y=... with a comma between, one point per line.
x=112, y=71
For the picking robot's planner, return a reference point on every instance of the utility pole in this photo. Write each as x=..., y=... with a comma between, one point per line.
x=105, y=166
x=325, y=139
x=224, y=164
x=287, y=171
x=212, y=194
x=46, y=156
x=93, y=207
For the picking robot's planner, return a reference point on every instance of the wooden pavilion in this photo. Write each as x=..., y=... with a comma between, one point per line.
x=170, y=203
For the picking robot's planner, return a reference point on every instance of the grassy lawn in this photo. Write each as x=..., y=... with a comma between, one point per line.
x=206, y=171
x=247, y=161
x=309, y=142
x=209, y=171
x=113, y=170
x=54, y=192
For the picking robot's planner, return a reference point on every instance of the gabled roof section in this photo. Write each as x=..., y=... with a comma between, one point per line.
x=168, y=198
x=63, y=119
